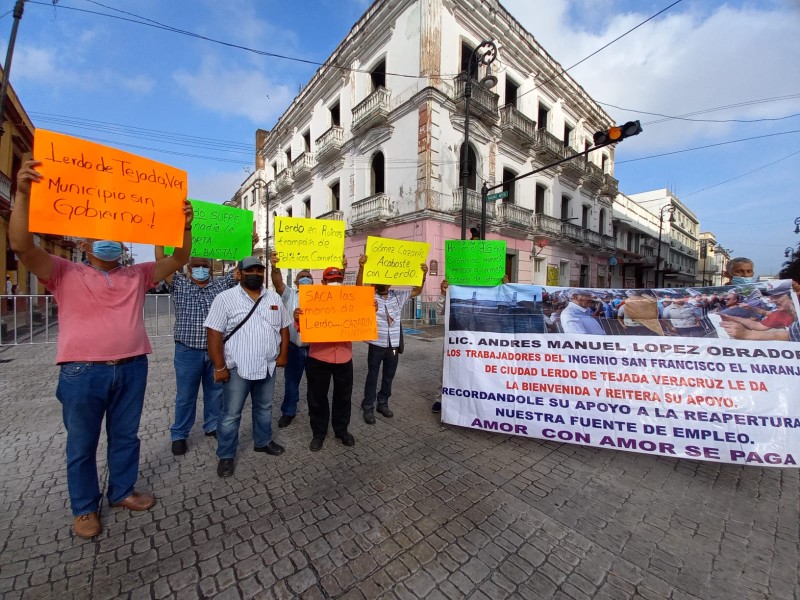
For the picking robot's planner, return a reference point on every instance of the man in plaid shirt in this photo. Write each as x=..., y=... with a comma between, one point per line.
x=192, y=296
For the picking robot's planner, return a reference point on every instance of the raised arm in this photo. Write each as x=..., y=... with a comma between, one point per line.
x=417, y=290
x=361, y=262
x=276, y=275
x=166, y=266
x=38, y=261
x=159, y=252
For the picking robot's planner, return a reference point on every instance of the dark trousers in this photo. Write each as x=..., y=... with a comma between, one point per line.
x=318, y=379
x=377, y=357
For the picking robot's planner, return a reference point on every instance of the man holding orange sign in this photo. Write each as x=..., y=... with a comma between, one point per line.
x=102, y=350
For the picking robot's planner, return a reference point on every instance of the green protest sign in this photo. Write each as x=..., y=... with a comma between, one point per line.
x=218, y=231
x=474, y=262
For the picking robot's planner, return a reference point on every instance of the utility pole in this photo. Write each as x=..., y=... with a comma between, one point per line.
x=18, y=10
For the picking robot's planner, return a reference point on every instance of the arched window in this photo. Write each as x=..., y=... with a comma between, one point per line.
x=334, y=201
x=378, y=75
x=377, y=174
x=509, y=187
x=601, y=222
x=472, y=162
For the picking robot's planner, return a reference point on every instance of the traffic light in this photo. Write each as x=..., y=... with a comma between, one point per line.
x=703, y=249
x=617, y=133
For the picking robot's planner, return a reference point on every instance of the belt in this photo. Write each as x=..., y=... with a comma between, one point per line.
x=114, y=363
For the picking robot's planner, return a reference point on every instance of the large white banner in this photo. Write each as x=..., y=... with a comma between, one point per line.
x=701, y=373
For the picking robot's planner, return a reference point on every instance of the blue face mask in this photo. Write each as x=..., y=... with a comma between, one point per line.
x=305, y=281
x=743, y=280
x=200, y=273
x=106, y=250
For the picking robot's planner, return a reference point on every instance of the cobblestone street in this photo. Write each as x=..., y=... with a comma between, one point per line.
x=413, y=510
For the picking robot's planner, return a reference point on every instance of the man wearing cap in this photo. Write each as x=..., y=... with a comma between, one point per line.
x=383, y=352
x=102, y=351
x=329, y=361
x=192, y=295
x=780, y=318
x=577, y=315
x=248, y=337
x=298, y=351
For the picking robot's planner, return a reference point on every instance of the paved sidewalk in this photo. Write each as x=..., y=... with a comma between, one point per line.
x=414, y=510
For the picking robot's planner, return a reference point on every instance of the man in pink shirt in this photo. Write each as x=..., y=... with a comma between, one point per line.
x=102, y=350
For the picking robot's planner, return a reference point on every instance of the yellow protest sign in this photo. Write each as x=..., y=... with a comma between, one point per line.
x=337, y=313
x=309, y=243
x=394, y=262
x=94, y=191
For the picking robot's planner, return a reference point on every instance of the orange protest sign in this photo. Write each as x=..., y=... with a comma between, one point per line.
x=338, y=313
x=94, y=191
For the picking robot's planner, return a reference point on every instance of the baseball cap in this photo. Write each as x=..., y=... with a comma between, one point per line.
x=249, y=262
x=332, y=274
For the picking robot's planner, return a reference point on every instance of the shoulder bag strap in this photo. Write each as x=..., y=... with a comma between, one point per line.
x=243, y=321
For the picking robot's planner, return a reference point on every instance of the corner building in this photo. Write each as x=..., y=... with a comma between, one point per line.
x=378, y=144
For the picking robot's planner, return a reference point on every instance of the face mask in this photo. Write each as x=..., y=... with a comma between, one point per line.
x=334, y=283
x=743, y=280
x=200, y=273
x=252, y=281
x=305, y=281
x=108, y=251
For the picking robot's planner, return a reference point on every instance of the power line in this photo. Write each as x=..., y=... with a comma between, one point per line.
x=757, y=137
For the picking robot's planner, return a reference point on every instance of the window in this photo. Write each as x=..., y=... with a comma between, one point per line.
x=289, y=211
x=252, y=199
x=567, y=135
x=601, y=223
x=586, y=145
x=378, y=75
x=509, y=187
x=335, y=195
x=543, y=113
x=511, y=92
x=604, y=163
x=540, y=193
x=335, y=115
x=466, y=52
x=307, y=208
x=307, y=141
x=565, y=208
x=377, y=174
x=587, y=211
x=472, y=161
x=288, y=152
x=274, y=168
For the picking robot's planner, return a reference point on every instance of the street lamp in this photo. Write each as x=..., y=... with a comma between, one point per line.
x=268, y=187
x=797, y=225
x=18, y=10
x=787, y=253
x=670, y=209
x=488, y=53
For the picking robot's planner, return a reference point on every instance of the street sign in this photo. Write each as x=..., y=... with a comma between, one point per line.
x=496, y=196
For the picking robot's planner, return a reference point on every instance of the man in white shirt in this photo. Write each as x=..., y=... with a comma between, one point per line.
x=248, y=337
x=577, y=315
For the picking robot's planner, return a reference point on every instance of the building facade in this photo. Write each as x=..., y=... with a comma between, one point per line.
x=636, y=237
x=379, y=143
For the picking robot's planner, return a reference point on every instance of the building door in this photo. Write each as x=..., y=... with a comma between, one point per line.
x=510, y=267
x=584, y=276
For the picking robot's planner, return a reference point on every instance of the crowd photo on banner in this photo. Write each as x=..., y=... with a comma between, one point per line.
x=707, y=373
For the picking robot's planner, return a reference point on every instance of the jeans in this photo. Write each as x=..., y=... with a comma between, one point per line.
x=318, y=376
x=193, y=366
x=292, y=374
x=88, y=392
x=234, y=394
x=376, y=356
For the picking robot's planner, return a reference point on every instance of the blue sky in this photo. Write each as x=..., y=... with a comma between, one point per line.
x=170, y=96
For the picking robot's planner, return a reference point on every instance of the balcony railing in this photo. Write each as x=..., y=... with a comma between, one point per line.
x=483, y=103
x=545, y=225
x=572, y=169
x=285, y=179
x=609, y=243
x=333, y=215
x=610, y=185
x=514, y=122
x=372, y=210
x=473, y=204
x=374, y=109
x=5, y=187
x=547, y=143
x=572, y=232
x=592, y=237
x=329, y=143
x=512, y=215
x=302, y=165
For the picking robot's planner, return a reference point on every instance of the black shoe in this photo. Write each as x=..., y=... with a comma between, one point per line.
x=347, y=439
x=384, y=410
x=211, y=433
x=369, y=416
x=225, y=467
x=272, y=448
x=437, y=407
x=285, y=421
x=316, y=444
x=179, y=447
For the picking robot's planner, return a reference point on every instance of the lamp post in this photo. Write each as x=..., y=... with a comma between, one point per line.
x=18, y=10
x=787, y=253
x=488, y=53
x=669, y=208
x=797, y=225
x=259, y=184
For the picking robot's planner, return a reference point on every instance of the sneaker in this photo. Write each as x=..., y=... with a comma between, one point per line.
x=285, y=421
x=211, y=433
x=225, y=467
x=369, y=416
x=272, y=449
x=384, y=410
x=347, y=439
x=179, y=447
x=87, y=526
x=437, y=407
x=316, y=444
